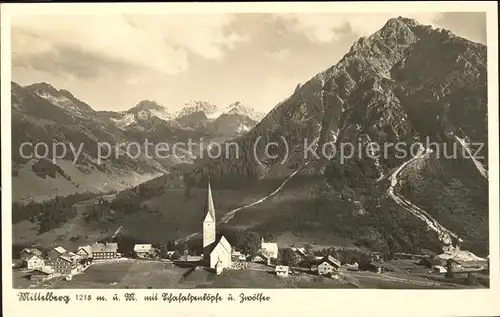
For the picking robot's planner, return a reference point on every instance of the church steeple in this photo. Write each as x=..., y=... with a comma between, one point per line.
x=209, y=208
x=209, y=222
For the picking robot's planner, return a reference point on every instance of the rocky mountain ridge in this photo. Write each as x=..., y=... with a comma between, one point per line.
x=406, y=83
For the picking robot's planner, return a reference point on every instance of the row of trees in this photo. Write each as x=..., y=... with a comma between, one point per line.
x=49, y=214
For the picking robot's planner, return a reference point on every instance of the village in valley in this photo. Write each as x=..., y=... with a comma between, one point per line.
x=257, y=263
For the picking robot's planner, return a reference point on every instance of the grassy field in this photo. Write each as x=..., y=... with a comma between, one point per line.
x=267, y=279
x=140, y=274
x=40, y=189
x=70, y=235
x=127, y=274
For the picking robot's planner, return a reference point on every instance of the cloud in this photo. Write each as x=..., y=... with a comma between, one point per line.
x=324, y=28
x=85, y=45
x=204, y=35
x=280, y=55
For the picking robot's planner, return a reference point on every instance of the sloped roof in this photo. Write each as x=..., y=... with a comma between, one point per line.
x=98, y=247
x=300, y=251
x=60, y=250
x=281, y=268
x=330, y=259
x=86, y=248
x=31, y=251
x=34, y=256
x=67, y=258
x=101, y=247
x=220, y=241
x=262, y=255
x=44, y=270
x=142, y=247
x=270, y=246
x=111, y=247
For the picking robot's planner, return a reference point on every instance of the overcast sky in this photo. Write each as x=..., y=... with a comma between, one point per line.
x=112, y=62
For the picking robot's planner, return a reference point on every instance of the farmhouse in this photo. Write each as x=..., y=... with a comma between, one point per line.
x=42, y=274
x=261, y=258
x=85, y=251
x=301, y=252
x=215, y=251
x=237, y=256
x=56, y=252
x=270, y=248
x=35, y=262
x=281, y=270
x=26, y=253
x=63, y=265
x=438, y=269
x=328, y=265
x=104, y=251
x=144, y=251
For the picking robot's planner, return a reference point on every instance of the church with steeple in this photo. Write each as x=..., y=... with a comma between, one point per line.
x=216, y=251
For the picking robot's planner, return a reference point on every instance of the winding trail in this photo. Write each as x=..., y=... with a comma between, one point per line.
x=230, y=215
x=479, y=166
x=116, y=232
x=446, y=236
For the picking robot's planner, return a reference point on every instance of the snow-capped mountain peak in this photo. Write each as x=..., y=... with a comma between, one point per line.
x=61, y=98
x=144, y=110
x=194, y=106
x=240, y=109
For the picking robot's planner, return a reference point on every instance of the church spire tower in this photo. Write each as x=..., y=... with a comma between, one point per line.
x=209, y=222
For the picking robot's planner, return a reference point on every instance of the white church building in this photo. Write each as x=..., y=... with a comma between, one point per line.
x=216, y=252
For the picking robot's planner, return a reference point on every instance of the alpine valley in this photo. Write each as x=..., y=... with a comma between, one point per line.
x=42, y=113
x=406, y=83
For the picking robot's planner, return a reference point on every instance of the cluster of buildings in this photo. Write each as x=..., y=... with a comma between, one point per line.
x=324, y=266
x=218, y=253
x=61, y=262
x=147, y=251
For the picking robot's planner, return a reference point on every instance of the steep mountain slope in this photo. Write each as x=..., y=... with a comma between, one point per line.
x=61, y=98
x=406, y=84
x=45, y=115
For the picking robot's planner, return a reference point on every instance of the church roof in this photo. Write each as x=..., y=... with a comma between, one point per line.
x=220, y=240
x=209, y=208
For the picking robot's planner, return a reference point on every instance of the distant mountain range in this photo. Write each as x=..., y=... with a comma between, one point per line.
x=194, y=114
x=42, y=113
